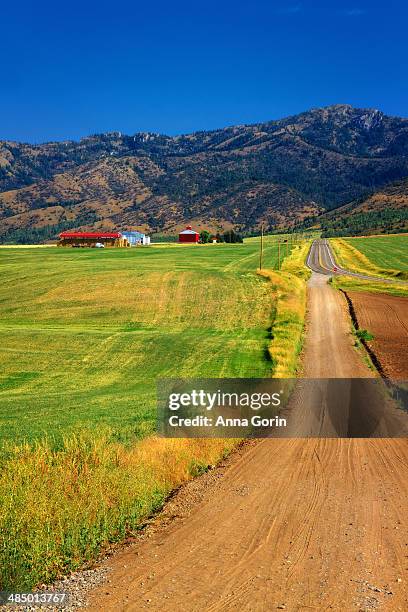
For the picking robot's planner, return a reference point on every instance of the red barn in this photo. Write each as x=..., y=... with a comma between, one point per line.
x=189, y=235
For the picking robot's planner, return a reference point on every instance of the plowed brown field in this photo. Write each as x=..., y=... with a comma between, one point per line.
x=386, y=316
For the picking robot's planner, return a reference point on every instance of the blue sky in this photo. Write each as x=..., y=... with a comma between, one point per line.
x=79, y=67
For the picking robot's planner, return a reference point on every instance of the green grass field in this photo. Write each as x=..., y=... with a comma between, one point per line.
x=85, y=333
x=387, y=252
x=84, y=336
x=378, y=256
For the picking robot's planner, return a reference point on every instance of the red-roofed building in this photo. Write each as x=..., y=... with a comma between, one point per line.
x=189, y=235
x=92, y=239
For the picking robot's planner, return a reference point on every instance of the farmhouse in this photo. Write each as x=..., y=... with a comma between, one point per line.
x=136, y=238
x=92, y=239
x=189, y=235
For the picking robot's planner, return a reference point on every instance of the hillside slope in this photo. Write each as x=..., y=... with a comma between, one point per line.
x=277, y=172
x=384, y=211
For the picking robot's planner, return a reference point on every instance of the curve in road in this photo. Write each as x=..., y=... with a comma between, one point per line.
x=321, y=260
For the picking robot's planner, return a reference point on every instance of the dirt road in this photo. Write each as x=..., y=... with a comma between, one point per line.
x=337, y=408
x=329, y=350
x=292, y=524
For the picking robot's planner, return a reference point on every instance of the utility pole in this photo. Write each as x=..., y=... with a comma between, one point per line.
x=261, y=248
x=279, y=244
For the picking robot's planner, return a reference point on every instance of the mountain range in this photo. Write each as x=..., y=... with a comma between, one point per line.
x=279, y=173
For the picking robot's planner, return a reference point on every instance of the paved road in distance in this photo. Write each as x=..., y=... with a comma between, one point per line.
x=321, y=260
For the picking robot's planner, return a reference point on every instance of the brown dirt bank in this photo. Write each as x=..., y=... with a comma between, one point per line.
x=386, y=316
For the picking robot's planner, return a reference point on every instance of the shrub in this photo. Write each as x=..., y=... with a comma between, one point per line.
x=365, y=335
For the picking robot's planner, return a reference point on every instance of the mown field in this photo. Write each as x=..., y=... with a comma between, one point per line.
x=387, y=252
x=377, y=256
x=86, y=333
x=381, y=256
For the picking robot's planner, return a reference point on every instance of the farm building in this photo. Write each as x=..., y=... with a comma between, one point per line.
x=92, y=239
x=136, y=238
x=189, y=235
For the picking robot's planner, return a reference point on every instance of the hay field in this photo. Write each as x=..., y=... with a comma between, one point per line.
x=86, y=332
x=387, y=252
x=385, y=256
